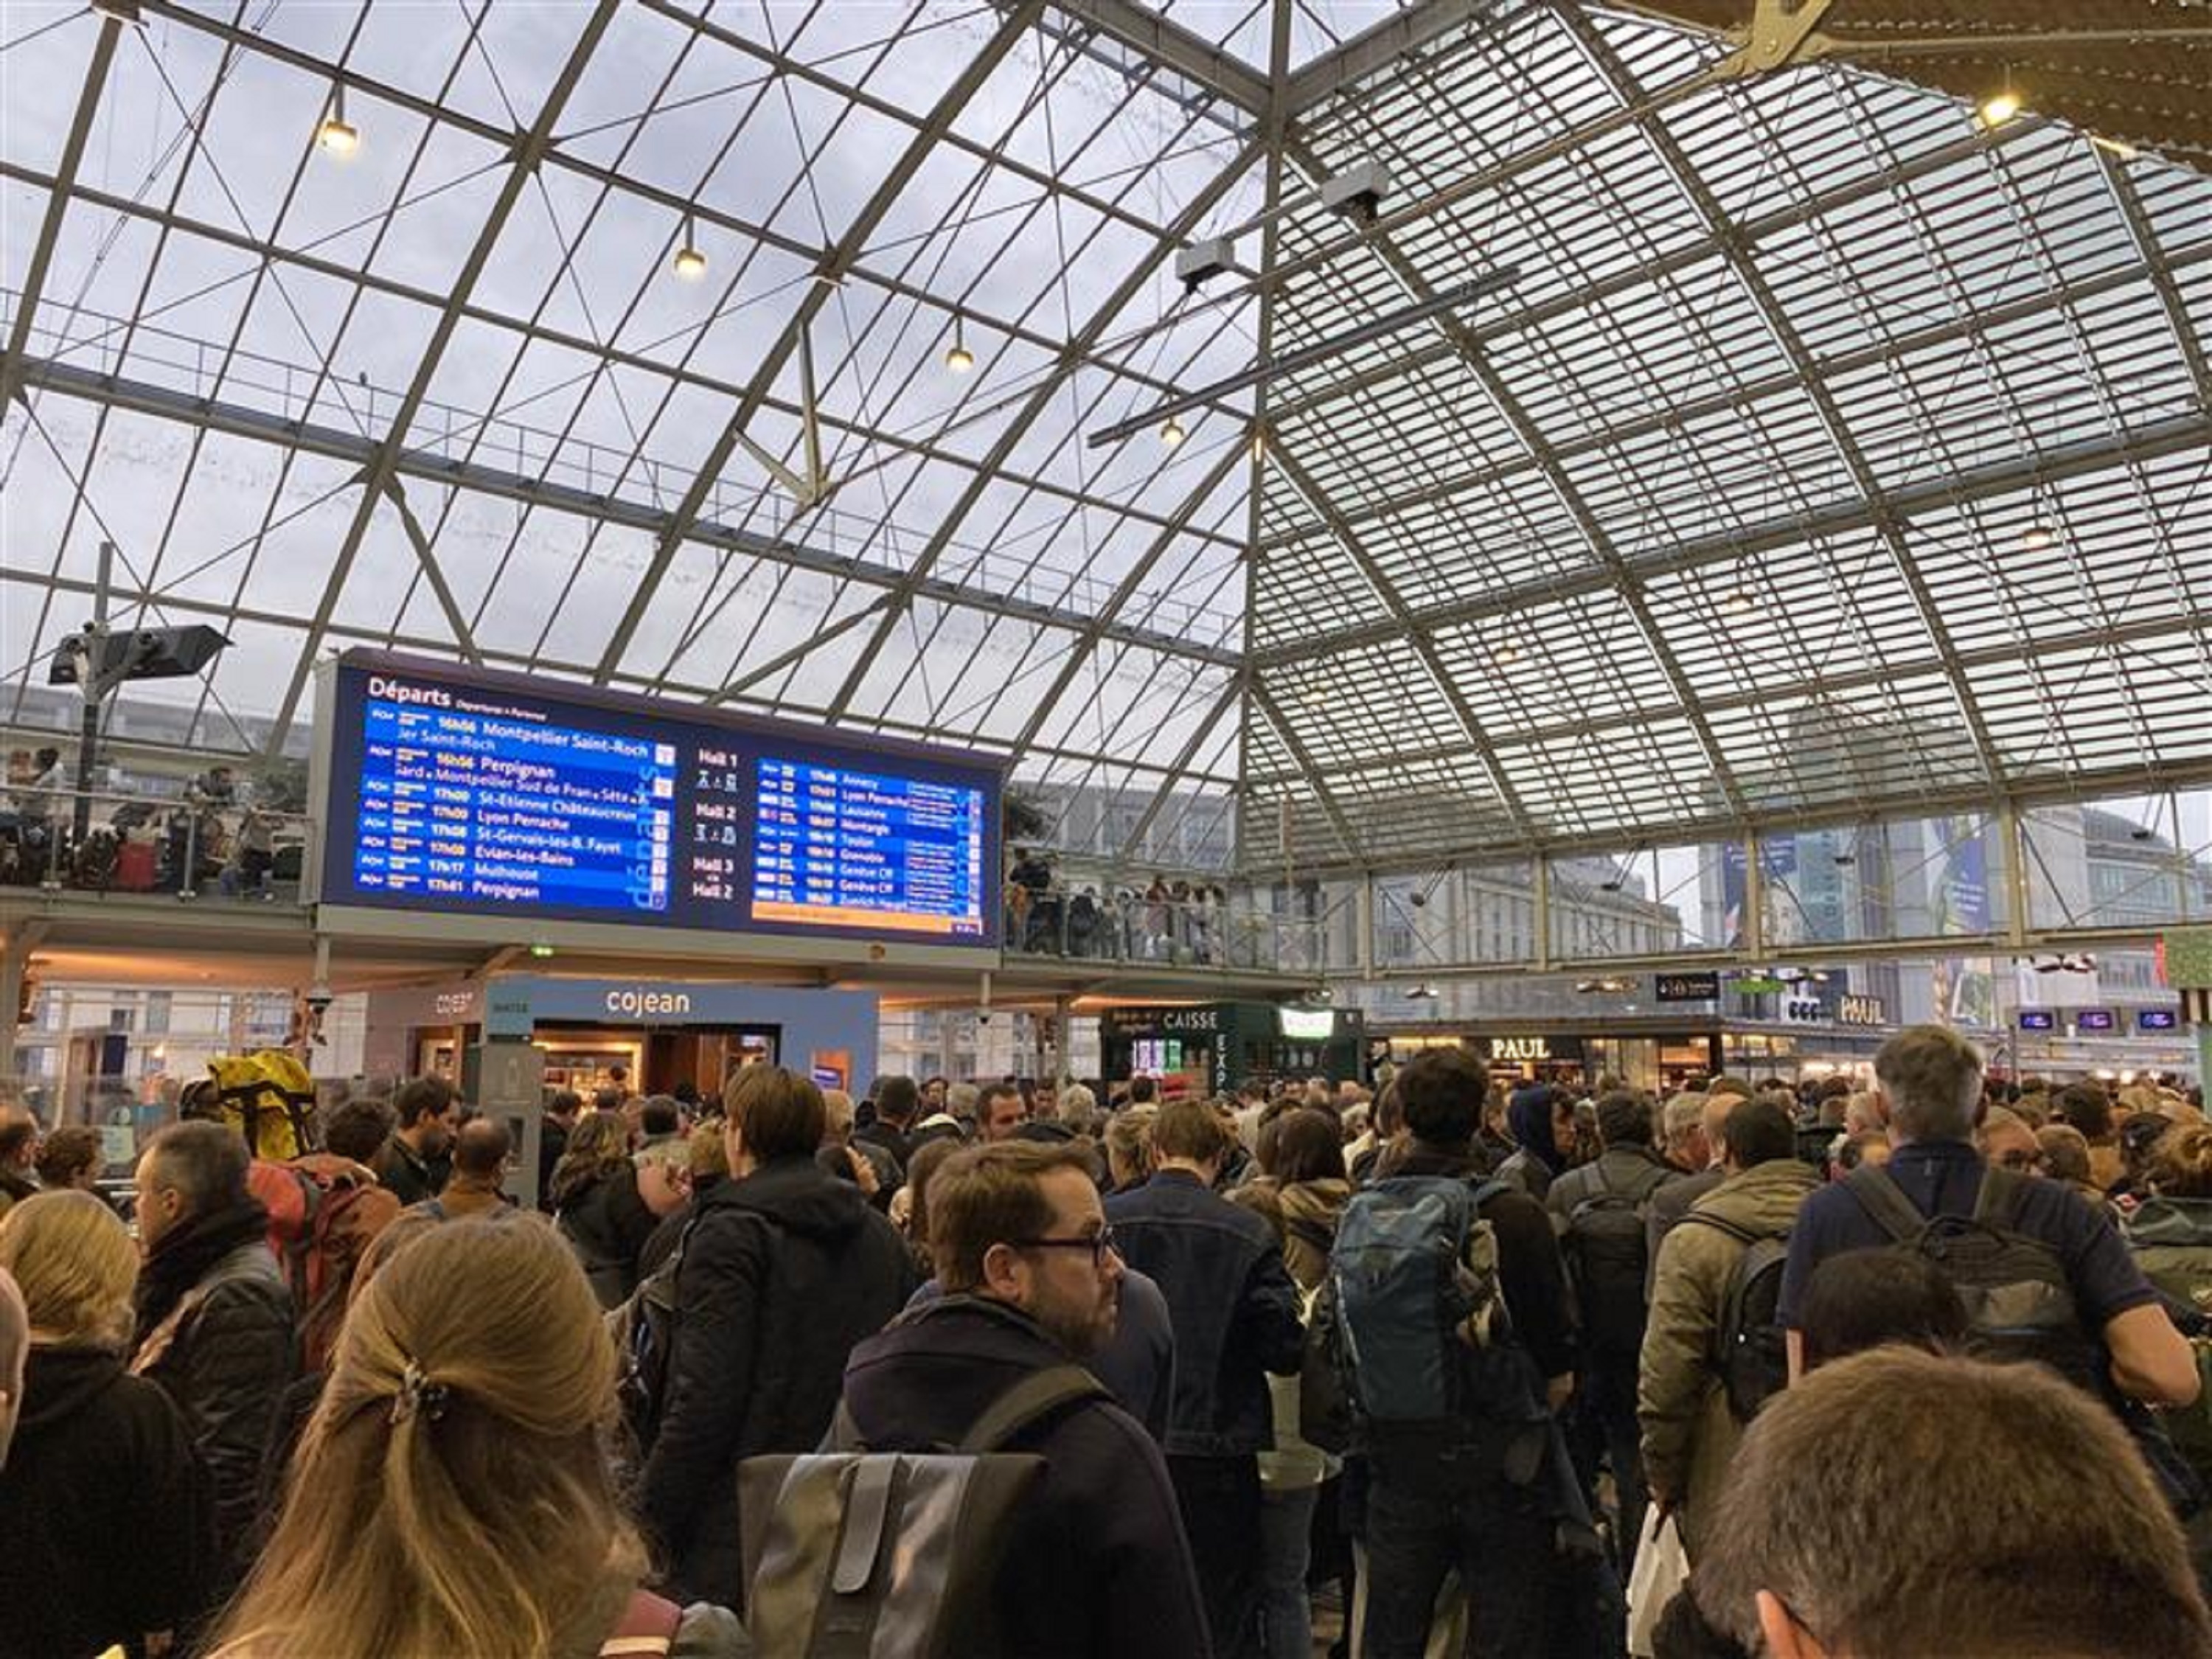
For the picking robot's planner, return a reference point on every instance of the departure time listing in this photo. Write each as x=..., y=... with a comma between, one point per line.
x=470, y=801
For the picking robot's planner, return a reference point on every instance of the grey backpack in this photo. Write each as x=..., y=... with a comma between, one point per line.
x=853, y=1554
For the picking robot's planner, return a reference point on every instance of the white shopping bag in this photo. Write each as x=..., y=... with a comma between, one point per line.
x=1661, y=1571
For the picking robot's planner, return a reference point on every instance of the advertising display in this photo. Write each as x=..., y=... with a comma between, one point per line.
x=457, y=790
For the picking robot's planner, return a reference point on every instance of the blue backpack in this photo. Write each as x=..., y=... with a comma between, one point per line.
x=1414, y=1305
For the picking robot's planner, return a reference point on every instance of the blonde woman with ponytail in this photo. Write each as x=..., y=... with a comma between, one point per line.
x=450, y=1496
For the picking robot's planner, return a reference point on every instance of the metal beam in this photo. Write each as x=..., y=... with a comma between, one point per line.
x=1378, y=48
x=2065, y=789
x=1624, y=580
x=1778, y=323
x=533, y=329
x=1175, y=48
x=433, y=571
x=1264, y=371
x=835, y=264
x=2162, y=270
x=139, y=397
x=1264, y=701
x=2139, y=630
x=529, y=149
x=50, y=228
x=1423, y=645
x=1744, y=395
x=2179, y=434
x=1125, y=590
x=1071, y=357
x=1690, y=254
x=1230, y=696
x=631, y=185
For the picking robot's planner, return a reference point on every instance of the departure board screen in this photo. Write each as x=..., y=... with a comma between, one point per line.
x=861, y=849
x=456, y=789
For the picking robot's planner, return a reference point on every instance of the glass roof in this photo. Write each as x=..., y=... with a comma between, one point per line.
x=1827, y=453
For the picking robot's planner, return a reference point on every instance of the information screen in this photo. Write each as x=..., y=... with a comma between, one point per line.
x=455, y=790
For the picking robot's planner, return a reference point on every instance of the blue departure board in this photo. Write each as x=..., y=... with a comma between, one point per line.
x=862, y=850
x=458, y=789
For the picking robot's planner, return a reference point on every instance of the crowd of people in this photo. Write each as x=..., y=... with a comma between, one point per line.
x=1177, y=921
x=1889, y=1374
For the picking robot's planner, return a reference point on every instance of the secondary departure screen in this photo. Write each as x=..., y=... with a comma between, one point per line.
x=452, y=790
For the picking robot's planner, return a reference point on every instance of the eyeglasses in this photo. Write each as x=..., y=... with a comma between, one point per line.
x=1101, y=1245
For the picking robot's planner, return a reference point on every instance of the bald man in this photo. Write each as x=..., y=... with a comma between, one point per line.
x=481, y=1150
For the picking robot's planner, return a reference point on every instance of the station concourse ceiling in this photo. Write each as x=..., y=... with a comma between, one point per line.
x=1833, y=448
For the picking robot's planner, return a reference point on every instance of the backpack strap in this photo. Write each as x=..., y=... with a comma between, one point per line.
x=1998, y=1204
x=1886, y=1204
x=1034, y=1398
x=1490, y=1188
x=1743, y=1235
x=648, y=1627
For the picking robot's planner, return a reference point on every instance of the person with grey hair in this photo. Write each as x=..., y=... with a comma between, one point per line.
x=1928, y=1092
x=1079, y=1109
x=1682, y=1133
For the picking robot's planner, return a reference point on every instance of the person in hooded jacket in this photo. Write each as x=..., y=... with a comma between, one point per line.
x=106, y=1534
x=783, y=1269
x=1542, y=1122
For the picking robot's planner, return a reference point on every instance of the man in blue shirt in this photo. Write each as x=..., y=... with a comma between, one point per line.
x=1928, y=1091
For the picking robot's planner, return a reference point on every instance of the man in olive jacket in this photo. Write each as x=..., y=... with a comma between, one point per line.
x=1690, y=1434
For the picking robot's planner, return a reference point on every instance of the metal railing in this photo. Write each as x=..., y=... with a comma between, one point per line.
x=1123, y=925
x=195, y=847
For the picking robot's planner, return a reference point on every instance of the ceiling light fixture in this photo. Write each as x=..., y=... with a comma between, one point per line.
x=337, y=135
x=957, y=357
x=2118, y=148
x=2001, y=106
x=2038, y=537
x=1171, y=432
x=690, y=264
x=1508, y=653
x=1739, y=603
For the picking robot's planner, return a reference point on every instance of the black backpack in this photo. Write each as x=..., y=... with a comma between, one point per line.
x=2019, y=1303
x=1607, y=1257
x=895, y=1554
x=1750, y=1352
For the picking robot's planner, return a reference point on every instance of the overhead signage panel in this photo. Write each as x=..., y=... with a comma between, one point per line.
x=1699, y=987
x=453, y=790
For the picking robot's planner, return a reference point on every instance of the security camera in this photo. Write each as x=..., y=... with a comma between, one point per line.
x=1357, y=192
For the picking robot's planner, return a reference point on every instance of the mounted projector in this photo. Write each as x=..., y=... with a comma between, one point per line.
x=1203, y=261
x=99, y=659
x=1357, y=192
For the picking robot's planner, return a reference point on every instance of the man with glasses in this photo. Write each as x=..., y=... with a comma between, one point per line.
x=1032, y=1279
x=2007, y=1142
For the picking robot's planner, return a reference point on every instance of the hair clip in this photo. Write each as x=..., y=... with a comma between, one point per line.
x=417, y=1393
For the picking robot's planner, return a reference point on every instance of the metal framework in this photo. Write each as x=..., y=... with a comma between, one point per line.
x=1835, y=454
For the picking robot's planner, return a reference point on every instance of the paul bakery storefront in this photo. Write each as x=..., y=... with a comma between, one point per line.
x=659, y=1032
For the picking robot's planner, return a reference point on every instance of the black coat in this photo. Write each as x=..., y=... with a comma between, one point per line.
x=1102, y=1569
x=608, y=1225
x=105, y=1531
x=227, y=1365
x=783, y=1272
